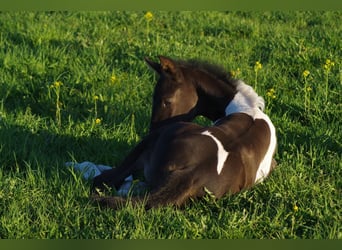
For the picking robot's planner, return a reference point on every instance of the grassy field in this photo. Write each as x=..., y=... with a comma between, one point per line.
x=74, y=87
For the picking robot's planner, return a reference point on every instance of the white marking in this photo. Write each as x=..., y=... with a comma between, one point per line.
x=246, y=100
x=265, y=165
x=88, y=169
x=130, y=186
x=222, y=154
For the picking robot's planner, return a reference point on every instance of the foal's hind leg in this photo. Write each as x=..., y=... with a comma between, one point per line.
x=177, y=189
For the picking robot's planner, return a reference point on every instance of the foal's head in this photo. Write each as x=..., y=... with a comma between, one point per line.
x=187, y=89
x=174, y=98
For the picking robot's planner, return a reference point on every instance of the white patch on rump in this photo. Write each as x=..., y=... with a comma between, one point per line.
x=247, y=101
x=265, y=165
x=222, y=154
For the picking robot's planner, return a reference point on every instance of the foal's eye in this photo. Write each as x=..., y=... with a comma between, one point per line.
x=166, y=103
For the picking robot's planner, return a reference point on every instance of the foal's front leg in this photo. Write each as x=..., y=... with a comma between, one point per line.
x=134, y=161
x=116, y=176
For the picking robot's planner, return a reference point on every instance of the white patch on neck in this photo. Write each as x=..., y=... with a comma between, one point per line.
x=222, y=154
x=246, y=100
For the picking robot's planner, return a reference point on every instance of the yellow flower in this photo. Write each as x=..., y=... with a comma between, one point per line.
x=98, y=121
x=257, y=66
x=95, y=97
x=57, y=84
x=329, y=62
x=148, y=16
x=328, y=65
x=306, y=73
x=235, y=73
x=271, y=93
x=295, y=208
x=112, y=79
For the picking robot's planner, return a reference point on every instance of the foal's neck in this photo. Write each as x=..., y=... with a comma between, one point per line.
x=213, y=96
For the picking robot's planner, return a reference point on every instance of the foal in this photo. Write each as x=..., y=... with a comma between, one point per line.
x=182, y=159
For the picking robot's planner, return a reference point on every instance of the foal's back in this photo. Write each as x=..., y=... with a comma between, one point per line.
x=193, y=154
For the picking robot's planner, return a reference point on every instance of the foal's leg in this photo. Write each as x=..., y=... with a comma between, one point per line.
x=178, y=188
x=116, y=176
x=133, y=162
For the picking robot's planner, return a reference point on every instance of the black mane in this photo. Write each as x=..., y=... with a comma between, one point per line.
x=215, y=70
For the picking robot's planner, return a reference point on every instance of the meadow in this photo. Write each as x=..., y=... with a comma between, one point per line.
x=74, y=87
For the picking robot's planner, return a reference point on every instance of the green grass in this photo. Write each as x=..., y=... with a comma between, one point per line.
x=97, y=60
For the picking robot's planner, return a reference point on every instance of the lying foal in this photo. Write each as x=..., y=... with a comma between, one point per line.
x=182, y=159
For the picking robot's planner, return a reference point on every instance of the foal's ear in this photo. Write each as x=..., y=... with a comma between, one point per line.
x=168, y=65
x=153, y=65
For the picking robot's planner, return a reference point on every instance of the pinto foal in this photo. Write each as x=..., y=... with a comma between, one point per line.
x=181, y=159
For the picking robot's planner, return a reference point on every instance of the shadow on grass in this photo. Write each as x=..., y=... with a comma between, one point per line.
x=20, y=145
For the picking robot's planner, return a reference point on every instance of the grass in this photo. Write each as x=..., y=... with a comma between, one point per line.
x=73, y=86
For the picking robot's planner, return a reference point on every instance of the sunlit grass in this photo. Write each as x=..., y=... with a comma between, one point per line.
x=74, y=87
